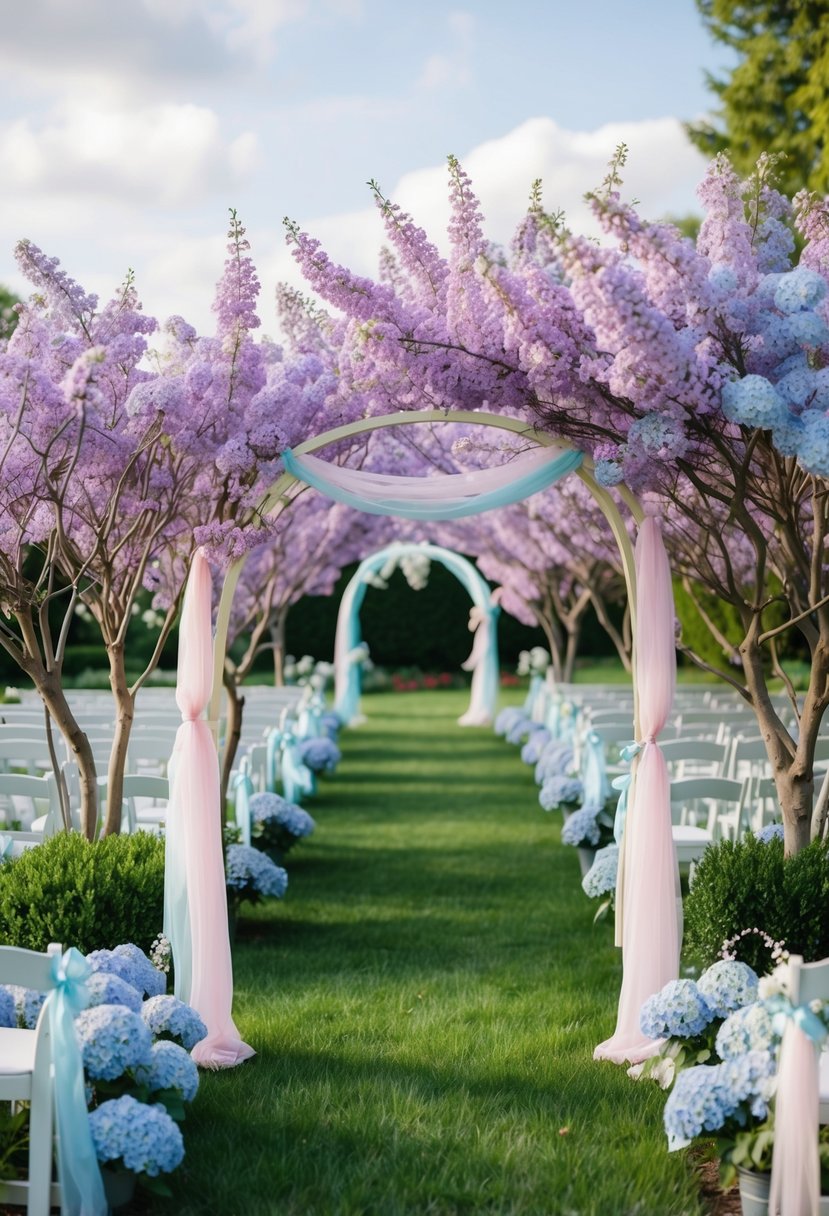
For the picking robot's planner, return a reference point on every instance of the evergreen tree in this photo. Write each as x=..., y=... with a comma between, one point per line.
x=776, y=97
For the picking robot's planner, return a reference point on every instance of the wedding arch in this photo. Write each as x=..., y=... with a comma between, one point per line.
x=647, y=918
x=483, y=616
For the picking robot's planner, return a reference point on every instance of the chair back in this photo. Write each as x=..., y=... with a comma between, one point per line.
x=808, y=981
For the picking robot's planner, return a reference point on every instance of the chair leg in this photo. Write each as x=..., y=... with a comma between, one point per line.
x=40, y=1147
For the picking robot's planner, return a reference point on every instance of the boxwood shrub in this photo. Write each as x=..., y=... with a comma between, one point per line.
x=89, y=895
x=748, y=884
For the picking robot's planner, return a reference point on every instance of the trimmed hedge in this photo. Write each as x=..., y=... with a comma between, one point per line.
x=90, y=895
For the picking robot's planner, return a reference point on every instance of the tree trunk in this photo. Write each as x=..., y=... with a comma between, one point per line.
x=233, y=732
x=573, y=638
x=552, y=632
x=277, y=630
x=54, y=698
x=791, y=764
x=124, y=714
x=622, y=648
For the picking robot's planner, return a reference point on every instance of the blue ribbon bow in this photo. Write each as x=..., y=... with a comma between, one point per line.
x=628, y=753
x=83, y=1190
x=783, y=1011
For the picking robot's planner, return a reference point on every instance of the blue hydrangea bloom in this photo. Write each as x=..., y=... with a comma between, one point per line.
x=728, y=985
x=320, y=755
x=106, y=989
x=505, y=718
x=154, y=982
x=772, y=831
x=557, y=791
x=267, y=808
x=520, y=729
x=799, y=289
x=700, y=1101
x=797, y=386
x=112, y=1039
x=170, y=1067
x=251, y=871
x=117, y=964
x=658, y=435
x=532, y=749
x=555, y=760
x=143, y=1136
x=679, y=1011
x=608, y=472
x=169, y=1018
x=813, y=453
x=788, y=435
x=8, y=1008
x=331, y=723
x=753, y=401
x=807, y=329
x=581, y=828
x=747, y=1029
x=28, y=1003
x=600, y=879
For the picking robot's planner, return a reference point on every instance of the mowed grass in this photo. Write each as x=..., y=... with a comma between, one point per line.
x=424, y=1004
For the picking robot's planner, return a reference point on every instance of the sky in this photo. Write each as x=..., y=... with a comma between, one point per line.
x=128, y=128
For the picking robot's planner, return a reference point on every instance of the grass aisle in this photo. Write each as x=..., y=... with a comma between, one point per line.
x=425, y=1003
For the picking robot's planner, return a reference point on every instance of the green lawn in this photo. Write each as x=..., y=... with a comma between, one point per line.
x=424, y=1004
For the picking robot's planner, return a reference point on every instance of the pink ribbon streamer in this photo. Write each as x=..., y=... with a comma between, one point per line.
x=650, y=924
x=795, y=1163
x=195, y=814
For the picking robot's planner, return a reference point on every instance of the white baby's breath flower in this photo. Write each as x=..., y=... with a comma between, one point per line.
x=776, y=984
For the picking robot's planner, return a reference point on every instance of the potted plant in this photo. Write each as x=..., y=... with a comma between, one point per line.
x=589, y=828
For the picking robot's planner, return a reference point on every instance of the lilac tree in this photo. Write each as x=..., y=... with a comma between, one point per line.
x=695, y=372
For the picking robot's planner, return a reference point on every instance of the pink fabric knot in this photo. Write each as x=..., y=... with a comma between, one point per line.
x=190, y=717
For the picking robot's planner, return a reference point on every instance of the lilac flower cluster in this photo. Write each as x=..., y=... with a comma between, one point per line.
x=142, y=1137
x=166, y=1017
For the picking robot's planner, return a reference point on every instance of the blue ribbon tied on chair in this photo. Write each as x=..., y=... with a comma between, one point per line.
x=272, y=759
x=782, y=1011
x=594, y=780
x=297, y=778
x=83, y=1190
x=243, y=791
x=622, y=784
x=6, y=847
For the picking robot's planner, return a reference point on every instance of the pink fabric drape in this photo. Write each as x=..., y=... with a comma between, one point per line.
x=795, y=1164
x=650, y=922
x=194, y=818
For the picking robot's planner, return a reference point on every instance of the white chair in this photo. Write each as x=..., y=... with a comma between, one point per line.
x=26, y=1076
x=689, y=757
x=152, y=791
x=718, y=799
x=35, y=792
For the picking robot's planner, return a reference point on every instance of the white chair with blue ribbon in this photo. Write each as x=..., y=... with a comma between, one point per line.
x=44, y=1068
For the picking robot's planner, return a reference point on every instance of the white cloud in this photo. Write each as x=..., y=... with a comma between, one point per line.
x=157, y=155
x=450, y=67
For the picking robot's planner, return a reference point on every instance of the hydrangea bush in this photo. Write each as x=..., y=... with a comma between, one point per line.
x=140, y=1137
x=169, y=1018
x=251, y=875
x=320, y=755
x=560, y=793
x=276, y=824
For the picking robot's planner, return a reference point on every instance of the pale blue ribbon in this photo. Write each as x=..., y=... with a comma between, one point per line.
x=594, y=780
x=628, y=752
x=80, y=1176
x=297, y=778
x=6, y=846
x=532, y=691
x=243, y=790
x=272, y=758
x=783, y=1011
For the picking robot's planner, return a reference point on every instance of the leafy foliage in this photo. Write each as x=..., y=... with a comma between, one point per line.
x=749, y=884
x=774, y=99
x=92, y=895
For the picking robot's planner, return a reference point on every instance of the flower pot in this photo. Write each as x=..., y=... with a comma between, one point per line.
x=119, y=1186
x=586, y=858
x=754, y=1192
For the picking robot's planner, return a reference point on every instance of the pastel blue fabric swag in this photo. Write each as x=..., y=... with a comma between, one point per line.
x=448, y=496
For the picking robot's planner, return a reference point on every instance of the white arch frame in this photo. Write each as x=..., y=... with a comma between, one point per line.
x=485, y=672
